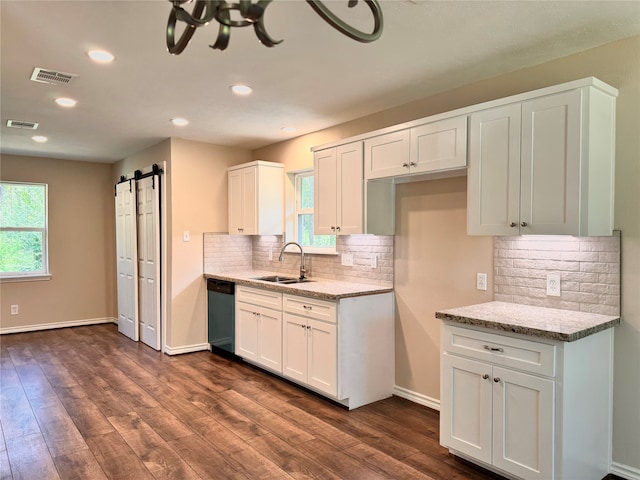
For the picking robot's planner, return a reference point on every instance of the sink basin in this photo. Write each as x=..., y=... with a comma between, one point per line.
x=281, y=279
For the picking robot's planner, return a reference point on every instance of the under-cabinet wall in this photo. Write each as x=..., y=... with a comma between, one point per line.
x=589, y=269
x=224, y=252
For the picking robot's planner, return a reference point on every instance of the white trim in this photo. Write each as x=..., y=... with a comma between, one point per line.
x=416, y=397
x=26, y=278
x=198, y=347
x=49, y=326
x=625, y=471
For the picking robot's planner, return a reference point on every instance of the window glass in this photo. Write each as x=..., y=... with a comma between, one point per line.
x=304, y=234
x=23, y=229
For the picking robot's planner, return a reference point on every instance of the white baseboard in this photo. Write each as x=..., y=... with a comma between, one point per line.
x=186, y=349
x=49, y=326
x=625, y=471
x=415, y=397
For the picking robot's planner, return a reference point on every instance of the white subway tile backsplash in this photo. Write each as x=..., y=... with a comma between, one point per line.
x=589, y=269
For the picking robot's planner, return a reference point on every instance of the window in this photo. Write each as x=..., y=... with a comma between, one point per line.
x=304, y=217
x=23, y=230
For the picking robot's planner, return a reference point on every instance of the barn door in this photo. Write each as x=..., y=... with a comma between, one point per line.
x=127, y=261
x=149, y=260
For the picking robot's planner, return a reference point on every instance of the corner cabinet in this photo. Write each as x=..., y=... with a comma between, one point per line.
x=341, y=349
x=528, y=409
x=544, y=166
x=338, y=190
x=256, y=198
x=430, y=148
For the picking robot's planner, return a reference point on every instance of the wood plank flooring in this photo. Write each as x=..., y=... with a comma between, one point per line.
x=88, y=403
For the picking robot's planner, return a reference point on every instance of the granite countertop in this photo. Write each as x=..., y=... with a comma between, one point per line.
x=316, y=288
x=551, y=323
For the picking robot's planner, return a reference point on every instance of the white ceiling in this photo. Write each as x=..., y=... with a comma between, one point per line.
x=315, y=79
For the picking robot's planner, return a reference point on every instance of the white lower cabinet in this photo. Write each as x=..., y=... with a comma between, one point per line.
x=259, y=327
x=527, y=409
x=342, y=349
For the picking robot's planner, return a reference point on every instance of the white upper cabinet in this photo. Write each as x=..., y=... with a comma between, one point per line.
x=338, y=190
x=543, y=166
x=256, y=198
x=429, y=148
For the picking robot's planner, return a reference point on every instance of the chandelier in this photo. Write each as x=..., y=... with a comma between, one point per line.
x=204, y=11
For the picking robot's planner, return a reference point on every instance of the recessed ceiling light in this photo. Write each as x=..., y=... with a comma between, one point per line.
x=288, y=129
x=39, y=138
x=180, y=122
x=66, y=102
x=241, y=89
x=100, y=56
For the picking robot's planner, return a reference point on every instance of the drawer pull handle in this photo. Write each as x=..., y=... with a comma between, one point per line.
x=307, y=307
x=493, y=349
x=485, y=376
x=496, y=379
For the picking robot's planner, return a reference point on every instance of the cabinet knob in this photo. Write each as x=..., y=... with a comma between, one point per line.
x=307, y=307
x=524, y=224
x=485, y=376
x=513, y=224
x=413, y=164
x=496, y=379
x=337, y=229
x=405, y=165
x=493, y=349
x=333, y=229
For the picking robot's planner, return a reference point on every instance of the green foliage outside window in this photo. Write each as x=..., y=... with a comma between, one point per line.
x=306, y=235
x=23, y=219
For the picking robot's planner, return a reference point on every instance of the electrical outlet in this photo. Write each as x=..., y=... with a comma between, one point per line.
x=374, y=261
x=481, y=281
x=347, y=259
x=15, y=309
x=553, y=285
x=186, y=236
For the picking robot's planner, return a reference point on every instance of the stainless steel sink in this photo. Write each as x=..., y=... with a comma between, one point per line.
x=281, y=279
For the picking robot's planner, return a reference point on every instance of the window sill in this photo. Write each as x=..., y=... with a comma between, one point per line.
x=26, y=278
x=311, y=250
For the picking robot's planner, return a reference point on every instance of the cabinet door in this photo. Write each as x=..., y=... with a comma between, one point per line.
x=465, y=407
x=550, y=176
x=249, y=201
x=439, y=146
x=523, y=420
x=493, y=190
x=325, y=186
x=246, y=331
x=350, y=186
x=322, y=357
x=294, y=347
x=270, y=339
x=235, y=202
x=387, y=155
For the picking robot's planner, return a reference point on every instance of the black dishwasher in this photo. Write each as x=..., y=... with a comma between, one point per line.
x=221, y=316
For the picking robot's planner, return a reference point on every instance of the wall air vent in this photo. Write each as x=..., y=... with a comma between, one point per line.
x=51, y=76
x=22, y=124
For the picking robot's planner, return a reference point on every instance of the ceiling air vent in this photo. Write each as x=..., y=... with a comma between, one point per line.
x=51, y=76
x=22, y=124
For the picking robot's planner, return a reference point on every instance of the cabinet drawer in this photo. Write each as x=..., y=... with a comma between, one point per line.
x=525, y=355
x=257, y=296
x=310, y=308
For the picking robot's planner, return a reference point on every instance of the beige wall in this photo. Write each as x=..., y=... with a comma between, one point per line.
x=81, y=244
x=431, y=216
x=198, y=204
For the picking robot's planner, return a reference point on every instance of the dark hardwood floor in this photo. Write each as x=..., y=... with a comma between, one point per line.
x=88, y=403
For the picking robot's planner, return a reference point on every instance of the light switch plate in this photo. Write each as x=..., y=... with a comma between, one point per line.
x=186, y=236
x=481, y=281
x=347, y=259
x=553, y=285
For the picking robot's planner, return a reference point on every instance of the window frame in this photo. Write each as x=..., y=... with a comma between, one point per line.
x=297, y=211
x=44, y=273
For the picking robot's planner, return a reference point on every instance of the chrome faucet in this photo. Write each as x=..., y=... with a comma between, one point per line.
x=303, y=271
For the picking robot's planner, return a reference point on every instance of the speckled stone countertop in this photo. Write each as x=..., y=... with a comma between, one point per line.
x=551, y=323
x=317, y=288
